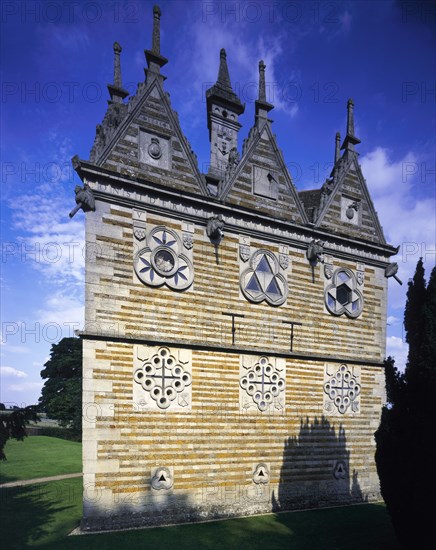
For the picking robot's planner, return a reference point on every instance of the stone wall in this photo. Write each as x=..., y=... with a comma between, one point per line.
x=212, y=447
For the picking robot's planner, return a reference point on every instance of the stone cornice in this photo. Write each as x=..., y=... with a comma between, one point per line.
x=203, y=346
x=108, y=187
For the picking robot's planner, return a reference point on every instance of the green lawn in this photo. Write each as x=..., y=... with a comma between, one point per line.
x=42, y=515
x=40, y=456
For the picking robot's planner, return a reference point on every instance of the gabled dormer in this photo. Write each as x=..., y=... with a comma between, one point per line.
x=142, y=140
x=343, y=205
x=260, y=181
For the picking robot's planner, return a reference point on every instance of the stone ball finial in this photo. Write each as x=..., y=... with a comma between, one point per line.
x=117, y=47
x=223, y=53
x=262, y=65
x=350, y=102
x=156, y=11
x=338, y=135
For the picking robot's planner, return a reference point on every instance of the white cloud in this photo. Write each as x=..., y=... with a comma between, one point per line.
x=392, y=320
x=26, y=386
x=12, y=349
x=63, y=313
x=408, y=219
x=10, y=372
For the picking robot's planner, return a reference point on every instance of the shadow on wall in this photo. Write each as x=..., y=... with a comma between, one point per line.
x=316, y=469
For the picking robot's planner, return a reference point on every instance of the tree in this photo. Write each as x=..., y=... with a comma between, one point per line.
x=61, y=395
x=13, y=424
x=406, y=438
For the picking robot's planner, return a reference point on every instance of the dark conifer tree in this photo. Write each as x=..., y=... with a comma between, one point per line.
x=406, y=438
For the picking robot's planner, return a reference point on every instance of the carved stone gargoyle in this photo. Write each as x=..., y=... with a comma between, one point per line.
x=84, y=200
x=391, y=271
x=215, y=229
x=315, y=252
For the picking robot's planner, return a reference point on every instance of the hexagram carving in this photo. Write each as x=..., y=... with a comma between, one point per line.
x=342, y=295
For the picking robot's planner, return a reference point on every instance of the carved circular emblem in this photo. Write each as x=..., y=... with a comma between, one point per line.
x=350, y=212
x=161, y=261
x=342, y=388
x=263, y=383
x=154, y=149
x=342, y=295
x=164, y=261
x=263, y=280
x=163, y=377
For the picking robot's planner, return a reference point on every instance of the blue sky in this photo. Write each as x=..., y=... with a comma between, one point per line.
x=57, y=59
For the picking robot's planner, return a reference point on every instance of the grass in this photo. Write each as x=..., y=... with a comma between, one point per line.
x=42, y=515
x=40, y=456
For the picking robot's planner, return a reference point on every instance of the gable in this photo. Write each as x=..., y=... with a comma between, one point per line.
x=347, y=208
x=149, y=145
x=261, y=181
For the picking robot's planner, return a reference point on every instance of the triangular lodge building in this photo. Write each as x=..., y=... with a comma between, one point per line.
x=235, y=328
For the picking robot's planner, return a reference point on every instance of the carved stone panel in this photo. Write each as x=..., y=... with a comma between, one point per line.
x=265, y=183
x=262, y=383
x=261, y=473
x=265, y=278
x=342, y=295
x=164, y=259
x=340, y=470
x=350, y=210
x=162, y=478
x=162, y=378
x=154, y=150
x=342, y=389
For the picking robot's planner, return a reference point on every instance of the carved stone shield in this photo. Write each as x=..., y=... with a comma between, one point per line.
x=188, y=240
x=284, y=261
x=139, y=233
x=328, y=271
x=244, y=252
x=360, y=276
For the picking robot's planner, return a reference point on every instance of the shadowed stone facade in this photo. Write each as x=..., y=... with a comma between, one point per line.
x=235, y=328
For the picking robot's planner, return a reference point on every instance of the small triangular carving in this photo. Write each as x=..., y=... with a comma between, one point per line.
x=263, y=266
x=162, y=478
x=273, y=288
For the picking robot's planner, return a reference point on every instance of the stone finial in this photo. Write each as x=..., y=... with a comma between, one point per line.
x=337, y=147
x=262, y=90
x=116, y=90
x=350, y=117
x=350, y=139
x=261, y=105
x=155, y=48
x=223, y=72
x=117, y=65
x=154, y=58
